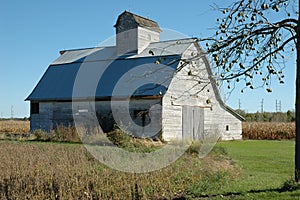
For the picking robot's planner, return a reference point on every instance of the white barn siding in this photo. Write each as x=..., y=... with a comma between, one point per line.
x=191, y=87
x=223, y=123
x=184, y=91
x=145, y=37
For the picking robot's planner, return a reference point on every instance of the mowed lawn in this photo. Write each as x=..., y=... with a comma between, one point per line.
x=265, y=166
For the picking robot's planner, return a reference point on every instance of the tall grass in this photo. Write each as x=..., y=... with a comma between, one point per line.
x=59, y=134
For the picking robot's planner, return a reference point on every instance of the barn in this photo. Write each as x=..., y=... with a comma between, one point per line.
x=142, y=84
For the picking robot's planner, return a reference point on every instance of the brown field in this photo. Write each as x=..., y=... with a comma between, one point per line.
x=14, y=126
x=33, y=170
x=268, y=130
x=251, y=130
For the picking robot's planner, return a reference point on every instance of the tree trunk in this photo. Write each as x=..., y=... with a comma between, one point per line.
x=297, y=148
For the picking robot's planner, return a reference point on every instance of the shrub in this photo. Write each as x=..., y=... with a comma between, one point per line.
x=130, y=143
x=60, y=134
x=65, y=134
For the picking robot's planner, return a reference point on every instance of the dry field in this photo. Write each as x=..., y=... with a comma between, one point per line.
x=14, y=126
x=33, y=170
x=268, y=130
x=251, y=130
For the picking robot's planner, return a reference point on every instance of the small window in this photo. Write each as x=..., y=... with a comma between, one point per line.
x=141, y=117
x=140, y=113
x=34, y=108
x=227, y=127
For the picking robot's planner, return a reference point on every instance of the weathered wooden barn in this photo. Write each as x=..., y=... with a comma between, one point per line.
x=183, y=101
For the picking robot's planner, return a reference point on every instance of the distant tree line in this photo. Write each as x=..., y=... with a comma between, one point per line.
x=16, y=119
x=288, y=116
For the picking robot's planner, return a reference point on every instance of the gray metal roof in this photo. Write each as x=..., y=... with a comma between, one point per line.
x=164, y=48
x=58, y=81
x=84, y=79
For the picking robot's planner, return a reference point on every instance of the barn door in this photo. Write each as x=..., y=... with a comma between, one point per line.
x=192, y=123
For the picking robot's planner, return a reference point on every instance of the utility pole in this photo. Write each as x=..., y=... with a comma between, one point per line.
x=279, y=106
x=240, y=104
x=262, y=106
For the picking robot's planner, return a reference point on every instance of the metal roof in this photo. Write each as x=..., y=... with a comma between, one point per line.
x=58, y=81
x=170, y=47
x=164, y=48
x=84, y=79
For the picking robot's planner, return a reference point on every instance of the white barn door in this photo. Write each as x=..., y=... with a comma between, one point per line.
x=192, y=122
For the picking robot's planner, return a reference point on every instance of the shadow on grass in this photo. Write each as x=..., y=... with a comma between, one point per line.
x=288, y=186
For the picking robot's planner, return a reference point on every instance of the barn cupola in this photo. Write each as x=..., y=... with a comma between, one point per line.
x=134, y=33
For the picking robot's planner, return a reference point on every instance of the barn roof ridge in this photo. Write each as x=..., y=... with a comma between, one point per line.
x=114, y=46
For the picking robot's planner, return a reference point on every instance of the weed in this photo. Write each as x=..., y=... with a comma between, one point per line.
x=290, y=185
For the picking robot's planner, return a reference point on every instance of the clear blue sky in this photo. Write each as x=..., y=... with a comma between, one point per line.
x=33, y=32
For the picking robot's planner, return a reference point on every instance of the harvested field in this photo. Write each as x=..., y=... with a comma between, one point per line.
x=14, y=126
x=33, y=170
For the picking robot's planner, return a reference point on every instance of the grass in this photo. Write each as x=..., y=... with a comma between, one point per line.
x=267, y=168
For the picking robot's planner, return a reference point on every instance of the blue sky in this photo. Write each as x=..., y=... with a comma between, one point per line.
x=33, y=32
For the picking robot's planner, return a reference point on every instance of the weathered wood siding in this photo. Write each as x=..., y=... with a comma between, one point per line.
x=43, y=120
x=142, y=112
x=221, y=122
x=191, y=87
x=145, y=37
x=132, y=38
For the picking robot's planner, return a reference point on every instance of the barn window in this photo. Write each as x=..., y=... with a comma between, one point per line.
x=34, y=108
x=141, y=116
x=227, y=127
x=140, y=113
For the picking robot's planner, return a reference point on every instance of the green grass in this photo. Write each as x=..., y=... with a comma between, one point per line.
x=265, y=167
x=265, y=164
